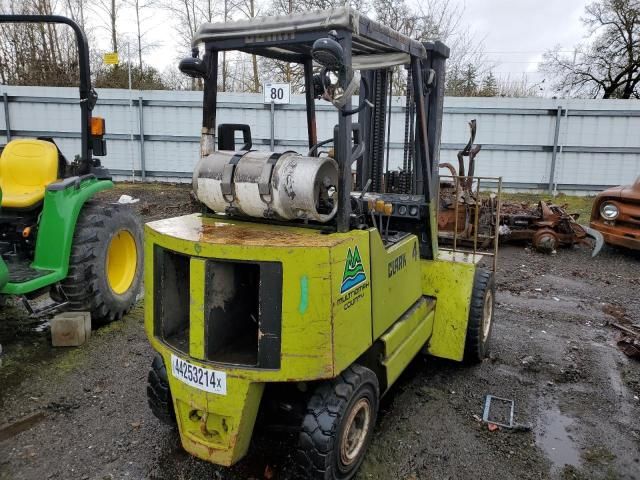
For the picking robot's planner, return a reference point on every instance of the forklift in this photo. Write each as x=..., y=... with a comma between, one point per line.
x=55, y=237
x=311, y=279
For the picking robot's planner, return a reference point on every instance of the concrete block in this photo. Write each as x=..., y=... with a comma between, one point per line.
x=70, y=329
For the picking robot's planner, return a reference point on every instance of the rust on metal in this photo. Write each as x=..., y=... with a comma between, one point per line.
x=477, y=220
x=547, y=226
x=467, y=215
x=197, y=228
x=624, y=229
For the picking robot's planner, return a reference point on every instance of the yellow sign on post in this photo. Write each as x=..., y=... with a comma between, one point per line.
x=111, y=58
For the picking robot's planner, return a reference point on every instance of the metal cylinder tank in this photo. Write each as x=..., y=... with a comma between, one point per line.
x=286, y=185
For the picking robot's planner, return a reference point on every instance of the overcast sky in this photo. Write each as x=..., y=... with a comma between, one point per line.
x=515, y=33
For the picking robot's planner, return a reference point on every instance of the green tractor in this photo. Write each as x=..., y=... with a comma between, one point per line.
x=54, y=236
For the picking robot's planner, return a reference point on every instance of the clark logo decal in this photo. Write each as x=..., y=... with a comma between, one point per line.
x=354, y=273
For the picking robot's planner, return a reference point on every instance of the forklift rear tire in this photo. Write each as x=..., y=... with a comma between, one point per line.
x=338, y=425
x=159, y=393
x=105, y=267
x=480, y=324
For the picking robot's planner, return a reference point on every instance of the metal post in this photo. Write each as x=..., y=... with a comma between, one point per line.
x=143, y=171
x=7, y=122
x=133, y=163
x=344, y=147
x=310, y=103
x=209, y=102
x=554, y=153
x=273, y=125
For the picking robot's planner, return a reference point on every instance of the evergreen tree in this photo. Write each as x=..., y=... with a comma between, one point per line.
x=489, y=86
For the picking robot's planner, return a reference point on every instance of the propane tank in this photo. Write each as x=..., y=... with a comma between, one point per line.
x=258, y=184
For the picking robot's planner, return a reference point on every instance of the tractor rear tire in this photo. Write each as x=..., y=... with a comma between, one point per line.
x=338, y=425
x=105, y=267
x=159, y=393
x=480, y=323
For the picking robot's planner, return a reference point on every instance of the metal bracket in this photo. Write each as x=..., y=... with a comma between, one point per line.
x=264, y=183
x=226, y=185
x=47, y=309
x=487, y=411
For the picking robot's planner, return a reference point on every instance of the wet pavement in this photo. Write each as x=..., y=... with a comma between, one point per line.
x=553, y=353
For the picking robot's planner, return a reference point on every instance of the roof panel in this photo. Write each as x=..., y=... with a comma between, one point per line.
x=297, y=29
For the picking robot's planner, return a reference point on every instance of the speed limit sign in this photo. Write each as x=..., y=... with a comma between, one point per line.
x=277, y=92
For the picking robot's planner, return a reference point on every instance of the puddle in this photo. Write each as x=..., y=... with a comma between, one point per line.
x=553, y=438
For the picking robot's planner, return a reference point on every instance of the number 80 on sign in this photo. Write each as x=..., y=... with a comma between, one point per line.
x=277, y=92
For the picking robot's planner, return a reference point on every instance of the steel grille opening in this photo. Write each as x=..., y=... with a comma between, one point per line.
x=243, y=313
x=171, y=298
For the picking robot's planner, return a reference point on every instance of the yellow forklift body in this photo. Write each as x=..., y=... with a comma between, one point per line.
x=341, y=292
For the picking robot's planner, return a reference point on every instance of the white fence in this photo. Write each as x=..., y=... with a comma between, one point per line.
x=576, y=145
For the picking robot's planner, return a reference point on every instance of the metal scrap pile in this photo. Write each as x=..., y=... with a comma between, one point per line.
x=465, y=216
x=546, y=225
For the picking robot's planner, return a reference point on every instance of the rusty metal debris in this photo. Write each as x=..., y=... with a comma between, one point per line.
x=504, y=420
x=629, y=340
x=547, y=226
x=466, y=215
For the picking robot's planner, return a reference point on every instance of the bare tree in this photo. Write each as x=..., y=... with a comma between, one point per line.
x=76, y=10
x=140, y=7
x=609, y=65
x=249, y=10
x=293, y=73
x=519, y=87
x=109, y=11
x=435, y=20
x=37, y=54
x=188, y=16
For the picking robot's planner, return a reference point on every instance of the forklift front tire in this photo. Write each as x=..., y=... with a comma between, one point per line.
x=480, y=324
x=105, y=267
x=159, y=393
x=338, y=425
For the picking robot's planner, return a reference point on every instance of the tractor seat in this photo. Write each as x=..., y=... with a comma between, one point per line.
x=27, y=166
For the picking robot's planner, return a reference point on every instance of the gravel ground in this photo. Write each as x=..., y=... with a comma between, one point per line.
x=554, y=353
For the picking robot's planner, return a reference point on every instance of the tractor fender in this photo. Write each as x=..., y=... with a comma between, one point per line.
x=4, y=273
x=63, y=202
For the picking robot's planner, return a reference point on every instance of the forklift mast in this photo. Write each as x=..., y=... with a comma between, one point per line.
x=418, y=176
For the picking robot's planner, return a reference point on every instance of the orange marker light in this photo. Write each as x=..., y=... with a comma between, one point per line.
x=97, y=126
x=26, y=232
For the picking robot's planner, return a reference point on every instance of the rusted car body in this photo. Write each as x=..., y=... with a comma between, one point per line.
x=616, y=214
x=546, y=226
x=468, y=217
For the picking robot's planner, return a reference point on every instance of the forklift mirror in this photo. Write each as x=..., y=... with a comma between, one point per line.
x=193, y=67
x=328, y=53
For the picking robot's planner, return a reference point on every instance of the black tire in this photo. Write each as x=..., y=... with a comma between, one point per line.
x=86, y=286
x=477, y=343
x=159, y=393
x=329, y=409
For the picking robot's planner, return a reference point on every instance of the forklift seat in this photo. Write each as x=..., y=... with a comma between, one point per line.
x=27, y=166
